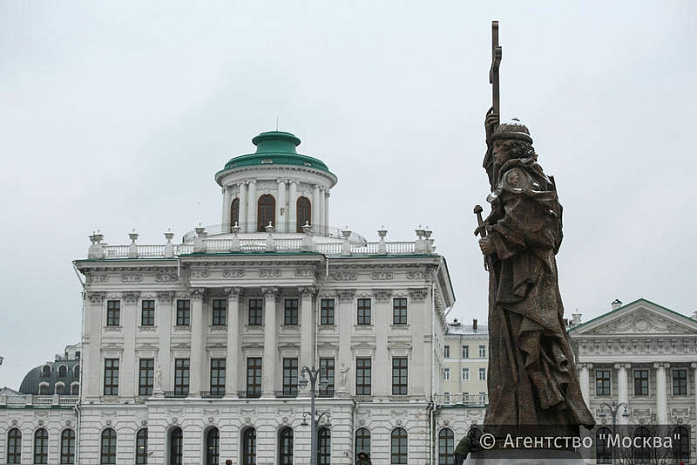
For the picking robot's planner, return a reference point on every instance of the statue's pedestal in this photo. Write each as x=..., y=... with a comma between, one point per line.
x=524, y=457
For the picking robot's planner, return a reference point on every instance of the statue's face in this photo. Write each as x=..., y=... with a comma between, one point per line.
x=500, y=153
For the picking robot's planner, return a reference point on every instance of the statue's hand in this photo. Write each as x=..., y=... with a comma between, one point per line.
x=490, y=122
x=487, y=247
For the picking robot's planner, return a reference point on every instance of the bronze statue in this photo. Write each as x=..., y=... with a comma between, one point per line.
x=532, y=378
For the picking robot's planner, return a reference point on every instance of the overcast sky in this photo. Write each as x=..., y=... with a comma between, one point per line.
x=116, y=115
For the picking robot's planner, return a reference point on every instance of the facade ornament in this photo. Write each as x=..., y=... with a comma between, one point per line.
x=235, y=244
x=270, y=243
x=199, y=243
x=130, y=297
x=269, y=273
x=233, y=292
x=346, y=245
x=166, y=277
x=382, y=245
x=133, y=247
x=308, y=242
x=96, y=297
x=417, y=275
x=197, y=293
x=345, y=276
x=418, y=294
x=96, y=250
x=382, y=295
x=382, y=275
x=307, y=291
x=169, y=248
x=165, y=296
x=346, y=295
x=234, y=273
x=200, y=274
x=131, y=277
x=269, y=292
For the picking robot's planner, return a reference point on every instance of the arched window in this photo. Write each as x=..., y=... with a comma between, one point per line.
x=76, y=372
x=46, y=371
x=235, y=212
x=142, y=446
x=43, y=389
x=249, y=447
x=176, y=446
x=324, y=446
x=68, y=447
x=285, y=445
x=446, y=445
x=603, y=450
x=62, y=371
x=75, y=389
x=681, y=444
x=107, y=452
x=14, y=446
x=212, y=446
x=266, y=212
x=398, y=446
x=59, y=389
x=304, y=209
x=41, y=446
x=641, y=454
x=362, y=441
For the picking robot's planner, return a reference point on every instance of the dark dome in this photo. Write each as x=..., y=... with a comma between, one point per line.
x=41, y=374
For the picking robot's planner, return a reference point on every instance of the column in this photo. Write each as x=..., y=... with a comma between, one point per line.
x=661, y=393
x=252, y=207
x=227, y=202
x=232, y=361
x=345, y=316
x=307, y=327
x=321, y=220
x=326, y=212
x=622, y=389
x=292, y=206
x=316, y=209
x=129, y=366
x=584, y=380
x=243, y=207
x=281, y=216
x=268, y=380
x=163, y=319
x=694, y=368
x=90, y=380
x=198, y=343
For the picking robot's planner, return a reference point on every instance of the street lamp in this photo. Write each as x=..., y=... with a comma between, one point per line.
x=314, y=374
x=614, y=408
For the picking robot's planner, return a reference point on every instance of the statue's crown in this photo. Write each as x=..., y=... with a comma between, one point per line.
x=513, y=129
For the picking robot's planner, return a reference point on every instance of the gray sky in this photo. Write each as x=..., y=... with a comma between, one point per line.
x=116, y=115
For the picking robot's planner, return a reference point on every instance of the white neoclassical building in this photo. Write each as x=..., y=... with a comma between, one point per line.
x=638, y=369
x=193, y=353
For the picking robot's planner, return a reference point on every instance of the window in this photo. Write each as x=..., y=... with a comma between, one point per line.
x=235, y=212
x=363, y=311
x=14, y=446
x=249, y=447
x=266, y=212
x=111, y=377
x=219, y=312
x=603, y=450
x=304, y=213
x=285, y=445
x=326, y=312
x=147, y=313
x=68, y=447
x=107, y=451
x=641, y=451
x=146, y=376
x=326, y=366
x=680, y=382
x=76, y=372
x=362, y=441
x=255, y=306
x=482, y=351
x=290, y=314
x=446, y=374
x=641, y=382
x=363, y=376
x=324, y=446
x=254, y=377
x=46, y=371
x=446, y=444
x=290, y=377
x=465, y=351
x=446, y=351
x=113, y=313
x=183, y=312
x=43, y=389
x=482, y=374
x=398, y=448
x=62, y=371
x=399, y=311
x=465, y=374
x=142, y=446
x=399, y=376
x=217, y=377
x=181, y=377
x=60, y=389
x=176, y=446
x=602, y=383
x=41, y=446
x=213, y=447
x=681, y=444
x=75, y=389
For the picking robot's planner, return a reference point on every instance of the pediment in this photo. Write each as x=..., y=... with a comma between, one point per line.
x=641, y=317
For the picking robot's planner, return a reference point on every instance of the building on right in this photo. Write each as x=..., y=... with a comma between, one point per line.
x=638, y=370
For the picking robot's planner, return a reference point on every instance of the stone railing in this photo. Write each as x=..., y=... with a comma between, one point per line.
x=28, y=400
x=467, y=400
x=271, y=242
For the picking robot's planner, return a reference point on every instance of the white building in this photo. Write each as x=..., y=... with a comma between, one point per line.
x=643, y=358
x=192, y=352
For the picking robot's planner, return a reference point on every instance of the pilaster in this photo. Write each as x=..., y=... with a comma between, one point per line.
x=269, y=361
x=281, y=217
x=622, y=387
x=252, y=207
x=584, y=380
x=661, y=393
x=292, y=206
x=198, y=342
x=127, y=370
x=233, y=342
x=243, y=207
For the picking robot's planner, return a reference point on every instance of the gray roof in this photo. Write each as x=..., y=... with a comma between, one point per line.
x=460, y=329
x=30, y=383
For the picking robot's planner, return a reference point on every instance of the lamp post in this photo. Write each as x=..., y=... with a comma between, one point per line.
x=314, y=374
x=614, y=408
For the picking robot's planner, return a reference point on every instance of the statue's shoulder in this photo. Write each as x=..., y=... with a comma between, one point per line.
x=517, y=178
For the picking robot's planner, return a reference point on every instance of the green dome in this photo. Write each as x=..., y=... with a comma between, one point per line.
x=275, y=148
